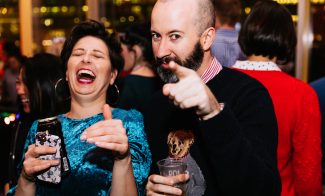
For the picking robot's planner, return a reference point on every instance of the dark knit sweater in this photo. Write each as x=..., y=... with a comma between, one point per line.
x=236, y=150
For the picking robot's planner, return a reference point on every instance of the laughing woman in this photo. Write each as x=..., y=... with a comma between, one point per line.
x=107, y=147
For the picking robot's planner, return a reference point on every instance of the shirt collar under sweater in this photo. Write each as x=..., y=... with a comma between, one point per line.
x=256, y=65
x=214, y=68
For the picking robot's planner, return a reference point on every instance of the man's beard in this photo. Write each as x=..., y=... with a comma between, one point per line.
x=193, y=61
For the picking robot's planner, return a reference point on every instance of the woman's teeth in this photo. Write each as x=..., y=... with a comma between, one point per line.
x=25, y=100
x=85, y=76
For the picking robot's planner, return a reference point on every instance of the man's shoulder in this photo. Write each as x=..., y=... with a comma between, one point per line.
x=234, y=87
x=231, y=77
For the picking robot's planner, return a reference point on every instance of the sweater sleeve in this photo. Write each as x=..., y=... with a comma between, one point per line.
x=307, y=146
x=139, y=148
x=241, y=141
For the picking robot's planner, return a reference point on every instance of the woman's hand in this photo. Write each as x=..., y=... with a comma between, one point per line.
x=109, y=134
x=162, y=185
x=32, y=165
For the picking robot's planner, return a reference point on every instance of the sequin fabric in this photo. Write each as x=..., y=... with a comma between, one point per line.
x=91, y=167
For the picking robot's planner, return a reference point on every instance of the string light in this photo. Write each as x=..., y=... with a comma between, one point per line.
x=295, y=2
x=7, y=120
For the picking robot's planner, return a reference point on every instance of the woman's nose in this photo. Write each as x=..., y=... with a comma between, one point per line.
x=86, y=58
x=20, y=89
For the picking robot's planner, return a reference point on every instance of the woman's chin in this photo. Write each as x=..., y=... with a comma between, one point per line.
x=26, y=108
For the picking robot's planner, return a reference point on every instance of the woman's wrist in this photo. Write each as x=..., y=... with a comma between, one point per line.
x=124, y=161
x=27, y=177
x=118, y=156
x=25, y=186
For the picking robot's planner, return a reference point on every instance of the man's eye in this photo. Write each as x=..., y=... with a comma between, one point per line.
x=174, y=36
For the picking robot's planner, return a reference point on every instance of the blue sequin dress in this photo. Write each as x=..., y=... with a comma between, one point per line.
x=91, y=167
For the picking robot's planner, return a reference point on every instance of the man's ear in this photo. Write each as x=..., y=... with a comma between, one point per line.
x=207, y=38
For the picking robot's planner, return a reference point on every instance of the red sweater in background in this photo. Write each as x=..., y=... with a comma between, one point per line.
x=299, y=145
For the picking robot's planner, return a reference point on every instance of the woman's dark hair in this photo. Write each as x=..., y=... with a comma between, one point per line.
x=138, y=34
x=269, y=31
x=40, y=74
x=95, y=29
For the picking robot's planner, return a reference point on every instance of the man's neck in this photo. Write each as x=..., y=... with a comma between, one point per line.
x=206, y=62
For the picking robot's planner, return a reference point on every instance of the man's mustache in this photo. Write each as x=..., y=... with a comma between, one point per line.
x=167, y=59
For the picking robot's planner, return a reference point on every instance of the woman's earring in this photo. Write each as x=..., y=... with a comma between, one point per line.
x=61, y=89
x=117, y=90
x=57, y=83
x=113, y=93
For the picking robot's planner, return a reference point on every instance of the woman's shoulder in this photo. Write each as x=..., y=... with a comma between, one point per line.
x=132, y=121
x=34, y=124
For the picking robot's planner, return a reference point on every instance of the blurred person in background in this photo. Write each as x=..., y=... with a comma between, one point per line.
x=128, y=55
x=2, y=60
x=8, y=104
x=107, y=148
x=6, y=49
x=142, y=81
x=225, y=46
x=34, y=87
x=8, y=99
x=265, y=41
x=319, y=87
x=9, y=96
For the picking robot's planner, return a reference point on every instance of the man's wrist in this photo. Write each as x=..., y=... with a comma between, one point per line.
x=213, y=113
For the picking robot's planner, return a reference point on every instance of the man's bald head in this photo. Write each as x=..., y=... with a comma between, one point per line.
x=203, y=14
x=206, y=15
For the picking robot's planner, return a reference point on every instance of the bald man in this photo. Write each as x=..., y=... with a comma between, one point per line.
x=219, y=121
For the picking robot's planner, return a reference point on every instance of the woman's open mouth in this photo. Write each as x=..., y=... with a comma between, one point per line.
x=85, y=76
x=24, y=100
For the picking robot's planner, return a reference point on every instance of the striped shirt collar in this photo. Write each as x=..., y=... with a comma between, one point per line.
x=214, y=68
x=256, y=65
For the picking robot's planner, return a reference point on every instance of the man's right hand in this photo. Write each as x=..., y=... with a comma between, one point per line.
x=162, y=185
x=191, y=92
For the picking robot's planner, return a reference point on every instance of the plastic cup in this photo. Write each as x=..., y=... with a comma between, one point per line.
x=170, y=167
